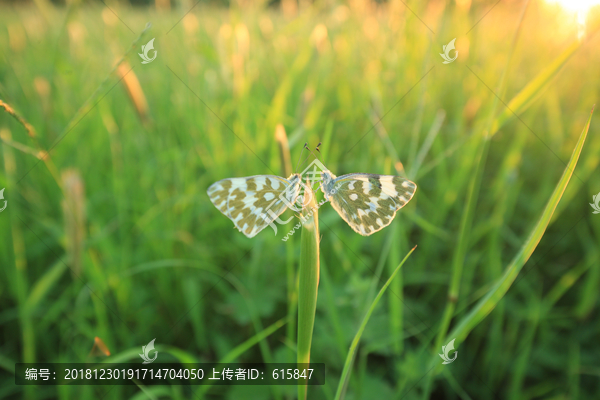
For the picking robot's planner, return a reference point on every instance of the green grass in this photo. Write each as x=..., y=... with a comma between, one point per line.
x=150, y=257
x=308, y=282
x=356, y=340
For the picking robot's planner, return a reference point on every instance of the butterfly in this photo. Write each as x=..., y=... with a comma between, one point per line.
x=367, y=202
x=254, y=202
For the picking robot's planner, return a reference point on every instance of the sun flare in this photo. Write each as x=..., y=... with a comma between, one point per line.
x=575, y=5
x=579, y=8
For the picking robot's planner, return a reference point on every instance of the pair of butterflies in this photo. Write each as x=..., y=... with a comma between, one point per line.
x=367, y=202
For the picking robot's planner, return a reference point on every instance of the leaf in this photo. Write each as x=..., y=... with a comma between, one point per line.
x=491, y=299
x=353, y=346
x=43, y=285
x=240, y=349
x=308, y=282
x=530, y=92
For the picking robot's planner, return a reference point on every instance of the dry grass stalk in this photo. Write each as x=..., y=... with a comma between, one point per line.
x=73, y=206
x=284, y=149
x=134, y=90
x=15, y=115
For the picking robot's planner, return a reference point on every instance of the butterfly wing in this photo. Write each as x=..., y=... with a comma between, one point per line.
x=368, y=202
x=254, y=202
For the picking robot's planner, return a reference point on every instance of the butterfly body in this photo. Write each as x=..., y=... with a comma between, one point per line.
x=328, y=184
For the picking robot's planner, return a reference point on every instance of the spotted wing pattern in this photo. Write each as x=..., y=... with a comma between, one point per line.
x=368, y=202
x=254, y=202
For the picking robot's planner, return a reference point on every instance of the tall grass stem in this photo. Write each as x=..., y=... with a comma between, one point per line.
x=308, y=281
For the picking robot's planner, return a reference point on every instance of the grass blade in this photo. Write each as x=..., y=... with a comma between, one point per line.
x=234, y=354
x=243, y=347
x=531, y=91
x=353, y=346
x=466, y=223
x=309, y=282
x=43, y=286
x=489, y=302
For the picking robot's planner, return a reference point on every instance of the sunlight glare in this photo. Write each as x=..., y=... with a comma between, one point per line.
x=580, y=8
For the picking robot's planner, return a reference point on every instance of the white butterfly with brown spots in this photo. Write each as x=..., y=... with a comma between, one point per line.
x=254, y=202
x=367, y=202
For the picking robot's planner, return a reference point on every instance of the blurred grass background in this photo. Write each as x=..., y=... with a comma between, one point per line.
x=113, y=236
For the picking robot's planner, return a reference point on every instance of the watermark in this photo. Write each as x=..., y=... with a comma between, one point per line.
x=304, y=218
x=311, y=179
x=145, y=49
x=31, y=374
x=446, y=350
x=224, y=374
x=295, y=197
x=446, y=52
x=146, y=352
x=595, y=205
x=2, y=198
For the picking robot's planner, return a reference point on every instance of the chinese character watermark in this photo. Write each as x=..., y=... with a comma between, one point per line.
x=31, y=374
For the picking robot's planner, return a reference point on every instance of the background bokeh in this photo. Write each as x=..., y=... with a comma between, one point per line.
x=113, y=235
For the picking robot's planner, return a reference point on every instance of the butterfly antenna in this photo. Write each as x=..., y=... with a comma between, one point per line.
x=317, y=149
x=299, y=158
x=307, y=148
x=311, y=152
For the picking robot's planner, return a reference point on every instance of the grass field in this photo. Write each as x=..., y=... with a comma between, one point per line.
x=111, y=234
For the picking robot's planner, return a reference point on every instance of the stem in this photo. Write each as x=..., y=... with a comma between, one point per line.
x=309, y=282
